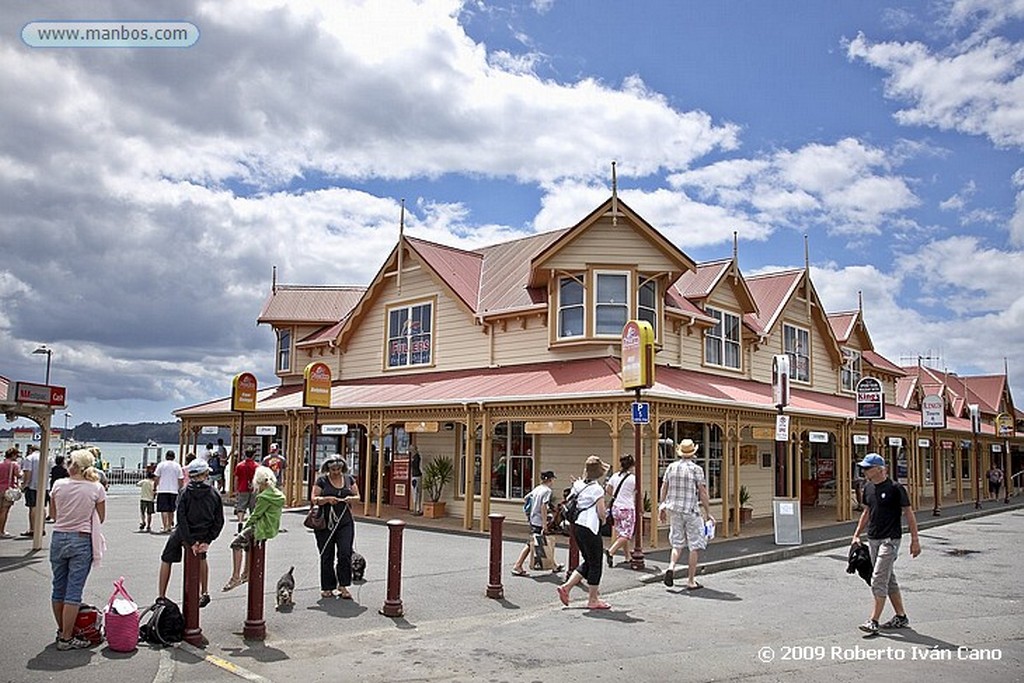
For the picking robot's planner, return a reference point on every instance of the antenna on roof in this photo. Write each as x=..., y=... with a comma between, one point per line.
x=401, y=245
x=615, y=197
x=273, y=279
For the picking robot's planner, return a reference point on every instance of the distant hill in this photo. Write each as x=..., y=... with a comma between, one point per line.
x=140, y=432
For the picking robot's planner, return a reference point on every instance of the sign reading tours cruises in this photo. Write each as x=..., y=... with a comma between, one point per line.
x=637, y=355
x=870, y=399
x=243, y=392
x=933, y=412
x=316, y=388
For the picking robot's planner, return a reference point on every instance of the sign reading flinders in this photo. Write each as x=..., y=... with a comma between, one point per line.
x=507, y=360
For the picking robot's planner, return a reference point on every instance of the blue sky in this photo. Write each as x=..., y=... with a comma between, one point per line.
x=148, y=193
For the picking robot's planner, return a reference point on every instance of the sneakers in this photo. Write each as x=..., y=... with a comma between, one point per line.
x=204, y=599
x=898, y=621
x=608, y=559
x=668, y=577
x=870, y=626
x=73, y=644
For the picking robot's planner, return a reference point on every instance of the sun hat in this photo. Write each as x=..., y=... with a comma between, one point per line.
x=872, y=460
x=595, y=468
x=686, y=449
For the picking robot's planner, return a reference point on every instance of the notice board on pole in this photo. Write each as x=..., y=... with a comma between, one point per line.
x=786, y=516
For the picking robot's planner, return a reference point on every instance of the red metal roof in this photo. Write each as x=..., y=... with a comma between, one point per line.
x=842, y=324
x=458, y=268
x=699, y=283
x=771, y=293
x=880, y=362
x=506, y=272
x=309, y=304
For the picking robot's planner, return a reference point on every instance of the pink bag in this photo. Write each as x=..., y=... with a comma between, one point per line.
x=121, y=619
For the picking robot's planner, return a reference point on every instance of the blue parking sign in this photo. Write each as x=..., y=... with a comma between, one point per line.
x=641, y=412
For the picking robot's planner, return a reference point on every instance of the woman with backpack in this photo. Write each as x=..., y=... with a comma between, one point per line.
x=333, y=491
x=587, y=498
x=621, y=487
x=77, y=503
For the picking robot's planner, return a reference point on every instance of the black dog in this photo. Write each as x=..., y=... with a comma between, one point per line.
x=358, y=566
x=285, y=588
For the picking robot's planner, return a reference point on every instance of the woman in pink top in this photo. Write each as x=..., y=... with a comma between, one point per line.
x=77, y=503
x=10, y=475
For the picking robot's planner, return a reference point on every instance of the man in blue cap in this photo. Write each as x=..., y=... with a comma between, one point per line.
x=885, y=502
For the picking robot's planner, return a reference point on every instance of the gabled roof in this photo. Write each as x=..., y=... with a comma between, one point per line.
x=989, y=390
x=505, y=274
x=771, y=292
x=881, y=363
x=457, y=268
x=843, y=324
x=699, y=284
x=626, y=216
x=960, y=391
x=309, y=304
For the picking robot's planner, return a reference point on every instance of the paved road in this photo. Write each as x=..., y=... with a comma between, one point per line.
x=806, y=609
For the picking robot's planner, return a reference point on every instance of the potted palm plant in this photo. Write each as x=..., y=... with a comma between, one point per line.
x=746, y=514
x=436, y=476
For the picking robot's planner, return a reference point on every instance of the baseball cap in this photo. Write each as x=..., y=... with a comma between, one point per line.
x=547, y=474
x=872, y=460
x=198, y=467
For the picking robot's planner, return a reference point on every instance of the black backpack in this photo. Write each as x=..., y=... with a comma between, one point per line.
x=164, y=625
x=572, y=507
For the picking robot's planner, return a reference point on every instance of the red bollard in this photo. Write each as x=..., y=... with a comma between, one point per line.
x=574, y=551
x=393, y=604
x=494, y=588
x=193, y=634
x=255, y=625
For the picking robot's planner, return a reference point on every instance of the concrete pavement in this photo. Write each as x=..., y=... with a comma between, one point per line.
x=444, y=579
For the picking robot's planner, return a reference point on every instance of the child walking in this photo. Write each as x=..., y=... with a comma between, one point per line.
x=147, y=501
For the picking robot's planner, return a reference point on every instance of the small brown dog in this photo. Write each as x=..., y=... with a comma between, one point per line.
x=285, y=589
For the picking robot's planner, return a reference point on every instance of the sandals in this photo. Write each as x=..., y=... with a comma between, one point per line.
x=326, y=594
x=600, y=604
x=344, y=594
x=563, y=595
x=232, y=584
x=518, y=571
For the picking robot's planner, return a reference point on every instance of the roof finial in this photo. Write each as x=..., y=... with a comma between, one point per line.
x=807, y=253
x=401, y=245
x=615, y=196
x=860, y=302
x=735, y=245
x=273, y=280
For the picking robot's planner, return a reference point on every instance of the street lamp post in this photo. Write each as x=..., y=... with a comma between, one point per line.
x=64, y=448
x=43, y=348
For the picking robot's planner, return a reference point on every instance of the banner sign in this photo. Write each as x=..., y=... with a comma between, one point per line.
x=637, y=355
x=316, y=388
x=243, y=392
x=39, y=394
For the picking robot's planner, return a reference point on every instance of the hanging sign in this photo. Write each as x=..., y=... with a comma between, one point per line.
x=817, y=437
x=933, y=412
x=861, y=440
x=870, y=399
x=266, y=430
x=637, y=355
x=780, y=380
x=782, y=427
x=334, y=430
x=210, y=429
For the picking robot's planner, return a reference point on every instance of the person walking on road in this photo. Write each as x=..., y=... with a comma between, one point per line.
x=995, y=480
x=885, y=503
x=683, y=490
x=29, y=467
x=77, y=503
x=587, y=530
x=333, y=491
x=169, y=480
x=540, y=502
x=200, y=521
x=10, y=480
x=621, y=487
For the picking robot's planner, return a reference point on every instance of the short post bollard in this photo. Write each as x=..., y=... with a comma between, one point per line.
x=255, y=625
x=193, y=634
x=393, y=603
x=494, y=587
x=574, y=551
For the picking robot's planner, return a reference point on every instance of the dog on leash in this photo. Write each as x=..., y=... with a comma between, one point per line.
x=285, y=589
x=358, y=566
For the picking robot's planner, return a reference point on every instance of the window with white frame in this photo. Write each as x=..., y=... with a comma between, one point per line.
x=410, y=335
x=284, y=350
x=570, y=308
x=722, y=342
x=797, y=345
x=647, y=303
x=611, y=303
x=849, y=373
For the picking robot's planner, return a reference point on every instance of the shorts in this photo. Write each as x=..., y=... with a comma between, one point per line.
x=70, y=560
x=166, y=502
x=174, y=549
x=245, y=501
x=30, y=498
x=994, y=486
x=884, y=552
x=146, y=507
x=243, y=541
x=686, y=530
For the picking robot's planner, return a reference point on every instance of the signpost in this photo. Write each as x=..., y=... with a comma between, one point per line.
x=316, y=393
x=870, y=404
x=243, y=400
x=975, y=411
x=637, y=353
x=933, y=416
x=1004, y=428
x=780, y=396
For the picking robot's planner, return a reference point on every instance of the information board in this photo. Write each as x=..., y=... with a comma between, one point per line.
x=786, y=516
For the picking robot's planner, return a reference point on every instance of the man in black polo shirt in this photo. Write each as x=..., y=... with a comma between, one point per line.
x=885, y=502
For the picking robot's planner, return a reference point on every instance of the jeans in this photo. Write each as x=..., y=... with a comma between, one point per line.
x=70, y=560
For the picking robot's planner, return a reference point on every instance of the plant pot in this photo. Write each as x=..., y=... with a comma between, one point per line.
x=746, y=514
x=433, y=510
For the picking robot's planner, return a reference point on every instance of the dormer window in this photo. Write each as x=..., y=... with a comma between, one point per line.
x=612, y=303
x=410, y=334
x=284, y=350
x=797, y=345
x=570, y=308
x=647, y=303
x=849, y=374
x=722, y=342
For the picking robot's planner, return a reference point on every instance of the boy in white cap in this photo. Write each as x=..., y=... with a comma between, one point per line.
x=885, y=502
x=200, y=517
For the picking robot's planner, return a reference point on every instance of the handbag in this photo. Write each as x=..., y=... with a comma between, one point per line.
x=609, y=520
x=314, y=519
x=13, y=493
x=121, y=619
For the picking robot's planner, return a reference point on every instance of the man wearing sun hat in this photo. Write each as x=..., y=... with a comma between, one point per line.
x=682, y=490
x=885, y=503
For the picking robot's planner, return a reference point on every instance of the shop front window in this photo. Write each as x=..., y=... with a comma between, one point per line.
x=511, y=460
x=709, y=455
